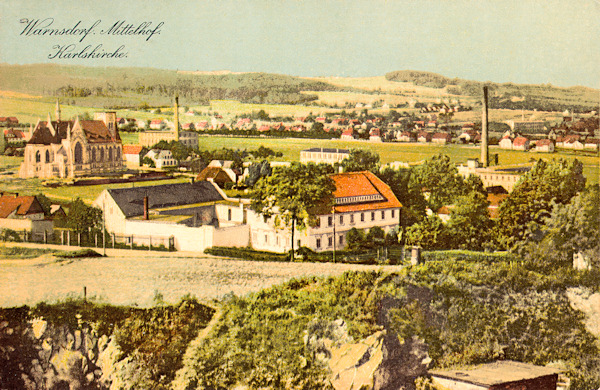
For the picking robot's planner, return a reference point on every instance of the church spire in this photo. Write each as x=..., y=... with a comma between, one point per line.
x=57, y=112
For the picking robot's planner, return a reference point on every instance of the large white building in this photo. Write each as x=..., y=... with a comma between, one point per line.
x=362, y=201
x=507, y=177
x=323, y=155
x=190, y=216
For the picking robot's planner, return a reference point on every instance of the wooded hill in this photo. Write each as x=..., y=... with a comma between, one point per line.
x=132, y=86
x=544, y=97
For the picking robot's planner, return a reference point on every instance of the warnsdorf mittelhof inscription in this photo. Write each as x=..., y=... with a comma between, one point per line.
x=87, y=34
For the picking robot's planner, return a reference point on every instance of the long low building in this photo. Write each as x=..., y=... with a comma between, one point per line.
x=191, y=216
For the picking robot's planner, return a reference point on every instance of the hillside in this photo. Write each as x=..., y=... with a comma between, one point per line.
x=132, y=87
x=544, y=97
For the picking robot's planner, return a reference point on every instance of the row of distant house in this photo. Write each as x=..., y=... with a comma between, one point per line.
x=574, y=142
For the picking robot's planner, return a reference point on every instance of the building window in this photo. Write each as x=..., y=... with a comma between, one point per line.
x=229, y=214
x=47, y=156
x=266, y=239
x=351, y=218
x=318, y=243
x=393, y=214
x=373, y=216
x=341, y=240
x=38, y=157
x=330, y=241
x=78, y=155
x=101, y=155
x=362, y=217
x=93, y=154
x=382, y=214
x=341, y=219
x=110, y=154
x=329, y=221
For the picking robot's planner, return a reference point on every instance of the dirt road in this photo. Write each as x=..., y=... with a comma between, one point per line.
x=136, y=277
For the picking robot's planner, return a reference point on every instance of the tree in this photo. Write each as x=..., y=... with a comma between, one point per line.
x=531, y=201
x=440, y=178
x=361, y=160
x=294, y=195
x=569, y=229
x=3, y=143
x=355, y=239
x=375, y=236
x=470, y=224
x=83, y=218
x=257, y=171
x=431, y=233
x=413, y=203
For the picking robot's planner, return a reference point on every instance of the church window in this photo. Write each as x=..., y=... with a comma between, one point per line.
x=101, y=154
x=93, y=154
x=38, y=157
x=78, y=153
x=47, y=156
x=110, y=157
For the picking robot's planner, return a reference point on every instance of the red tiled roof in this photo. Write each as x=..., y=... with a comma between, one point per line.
x=96, y=131
x=132, y=149
x=520, y=141
x=22, y=204
x=362, y=183
x=543, y=142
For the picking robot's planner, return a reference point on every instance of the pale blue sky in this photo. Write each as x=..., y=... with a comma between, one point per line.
x=526, y=41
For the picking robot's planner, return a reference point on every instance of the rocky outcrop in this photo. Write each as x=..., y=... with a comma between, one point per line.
x=378, y=362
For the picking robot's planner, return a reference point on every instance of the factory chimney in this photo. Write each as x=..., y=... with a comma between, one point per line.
x=485, y=158
x=176, y=118
x=146, y=208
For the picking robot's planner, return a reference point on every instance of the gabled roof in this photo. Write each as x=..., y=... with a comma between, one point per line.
x=131, y=200
x=215, y=173
x=132, y=149
x=543, y=142
x=363, y=183
x=43, y=136
x=96, y=131
x=23, y=205
x=520, y=141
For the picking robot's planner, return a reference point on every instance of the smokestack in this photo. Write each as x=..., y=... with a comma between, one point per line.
x=176, y=118
x=57, y=112
x=145, y=208
x=484, y=130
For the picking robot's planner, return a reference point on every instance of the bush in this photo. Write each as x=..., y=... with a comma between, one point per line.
x=10, y=235
x=77, y=254
x=247, y=254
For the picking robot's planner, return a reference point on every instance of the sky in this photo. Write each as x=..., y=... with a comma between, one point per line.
x=526, y=41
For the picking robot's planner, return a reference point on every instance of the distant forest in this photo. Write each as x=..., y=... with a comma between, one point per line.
x=131, y=86
x=544, y=97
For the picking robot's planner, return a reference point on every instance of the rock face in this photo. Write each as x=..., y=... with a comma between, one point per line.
x=52, y=357
x=378, y=362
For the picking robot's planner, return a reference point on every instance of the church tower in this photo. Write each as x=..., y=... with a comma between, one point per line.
x=57, y=111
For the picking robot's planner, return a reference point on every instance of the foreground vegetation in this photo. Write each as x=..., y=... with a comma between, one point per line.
x=467, y=312
x=124, y=346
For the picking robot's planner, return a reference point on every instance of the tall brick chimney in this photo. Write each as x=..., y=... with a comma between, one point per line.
x=145, y=208
x=485, y=157
x=176, y=118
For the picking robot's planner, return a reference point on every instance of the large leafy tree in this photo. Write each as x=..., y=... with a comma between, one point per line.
x=361, y=160
x=293, y=194
x=258, y=170
x=83, y=218
x=414, y=204
x=531, y=201
x=431, y=233
x=440, y=178
x=469, y=225
x=569, y=229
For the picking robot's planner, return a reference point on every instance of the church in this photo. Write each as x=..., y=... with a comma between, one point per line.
x=73, y=148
